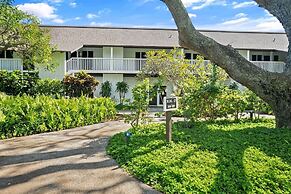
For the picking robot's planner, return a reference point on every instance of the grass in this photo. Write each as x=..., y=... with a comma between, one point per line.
x=220, y=157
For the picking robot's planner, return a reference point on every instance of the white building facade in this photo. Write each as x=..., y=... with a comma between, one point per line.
x=118, y=54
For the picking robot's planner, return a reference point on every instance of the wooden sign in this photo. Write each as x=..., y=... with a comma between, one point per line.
x=170, y=103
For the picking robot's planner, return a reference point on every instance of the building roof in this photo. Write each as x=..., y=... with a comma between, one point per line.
x=71, y=38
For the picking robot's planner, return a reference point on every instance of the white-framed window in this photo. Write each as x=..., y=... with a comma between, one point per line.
x=6, y=54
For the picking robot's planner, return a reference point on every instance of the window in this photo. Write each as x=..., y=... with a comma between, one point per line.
x=254, y=57
x=276, y=57
x=84, y=54
x=90, y=54
x=260, y=57
x=188, y=56
x=195, y=56
x=74, y=54
x=140, y=55
x=267, y=58
x=9, y=54
x=2, y=54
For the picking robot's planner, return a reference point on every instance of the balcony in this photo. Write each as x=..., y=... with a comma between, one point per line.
x=11, y=64
x=105, y=65
x=272, y=66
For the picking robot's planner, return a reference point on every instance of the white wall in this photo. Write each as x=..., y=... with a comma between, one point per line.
x=131, y=81
x=113, y=79
x=244, y=53
x=59, y=73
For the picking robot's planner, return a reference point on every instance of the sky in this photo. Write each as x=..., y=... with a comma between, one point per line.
x=235, y=15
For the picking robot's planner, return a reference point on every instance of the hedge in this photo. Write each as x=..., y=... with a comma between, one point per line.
x=27, y=115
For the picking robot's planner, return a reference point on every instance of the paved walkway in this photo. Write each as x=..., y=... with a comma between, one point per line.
x=70, y=161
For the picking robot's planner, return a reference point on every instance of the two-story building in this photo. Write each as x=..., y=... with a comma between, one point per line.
x=118, y=54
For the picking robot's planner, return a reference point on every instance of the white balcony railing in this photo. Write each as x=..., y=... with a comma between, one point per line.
x=132, y=65
x=272, y=66
x=122, y=65
x=11, y=64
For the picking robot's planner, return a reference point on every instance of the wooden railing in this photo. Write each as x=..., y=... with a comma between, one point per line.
x=11, y=64
x=122, y=65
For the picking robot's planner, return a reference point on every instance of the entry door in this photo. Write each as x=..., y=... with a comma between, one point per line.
x=157, y=99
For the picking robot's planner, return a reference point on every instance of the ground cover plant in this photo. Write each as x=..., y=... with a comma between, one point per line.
x=25, y=115
x=209, y=157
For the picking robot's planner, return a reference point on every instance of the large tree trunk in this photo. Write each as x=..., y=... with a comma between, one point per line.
x=283, y=115
x=274, y=88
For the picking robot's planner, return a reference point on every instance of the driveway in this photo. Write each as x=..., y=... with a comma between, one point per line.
x=70, y=161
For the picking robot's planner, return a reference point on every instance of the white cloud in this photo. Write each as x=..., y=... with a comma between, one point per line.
x=91, y=16
x=235, y=21
x=99, y=14
x=237, y=5
x=73, y=4
x=41, y=10
x=101, y=24
x=265, y=23
x=56, y=1
x=192, y=15
x=77, y=18
x=58, y=21
x=240, y=15
x=200, y=4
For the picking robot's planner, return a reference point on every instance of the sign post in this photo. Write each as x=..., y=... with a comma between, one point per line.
x=170, y=104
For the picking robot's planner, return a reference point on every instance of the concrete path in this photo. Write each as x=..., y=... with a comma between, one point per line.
x=70, y=161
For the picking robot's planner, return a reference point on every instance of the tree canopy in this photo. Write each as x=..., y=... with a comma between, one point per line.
x=273, y=88
x=21, y=33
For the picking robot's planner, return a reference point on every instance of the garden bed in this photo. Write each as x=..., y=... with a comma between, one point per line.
x=25, y=115
x=215, y=157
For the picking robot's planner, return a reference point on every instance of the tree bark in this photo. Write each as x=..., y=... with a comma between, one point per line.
x=274, y=88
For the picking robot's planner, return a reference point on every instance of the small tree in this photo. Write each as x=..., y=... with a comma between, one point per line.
x=106, y=89
x=21, y=33
x=122, y=89
x=80, y=84
x=142, y=95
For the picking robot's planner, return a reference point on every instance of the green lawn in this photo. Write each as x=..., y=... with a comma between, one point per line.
x=222, y=157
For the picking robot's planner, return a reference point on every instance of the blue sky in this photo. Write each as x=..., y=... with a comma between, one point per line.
x=206, y=14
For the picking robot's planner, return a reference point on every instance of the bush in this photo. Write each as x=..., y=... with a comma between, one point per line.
x=106, y=88
x=17, y=82
x=49, y=87
x=122, y=89
x=80, y=84
x=27, y=115
x=210, y=157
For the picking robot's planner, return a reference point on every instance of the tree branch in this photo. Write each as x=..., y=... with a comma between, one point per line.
x=281, y=10
x=226, y=57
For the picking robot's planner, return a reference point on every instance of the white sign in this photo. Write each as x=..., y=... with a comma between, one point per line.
x=170, y=103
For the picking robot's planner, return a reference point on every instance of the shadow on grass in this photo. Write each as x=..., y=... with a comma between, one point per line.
x=230, y=147
x=227, y=140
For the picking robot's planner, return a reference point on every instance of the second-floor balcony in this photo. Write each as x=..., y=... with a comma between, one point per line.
x=105, y=65
x=133, y=65
x=11, y=64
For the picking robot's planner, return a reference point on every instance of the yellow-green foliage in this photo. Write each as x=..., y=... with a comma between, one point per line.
x=210, y=157
x=27, y=115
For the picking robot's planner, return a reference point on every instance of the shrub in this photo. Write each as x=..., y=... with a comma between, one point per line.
x=26, y=115
x=122, y=89
x=80, y=84
x=140, y=104
x=49, y=87
x=106, y=89
x=17, y=82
